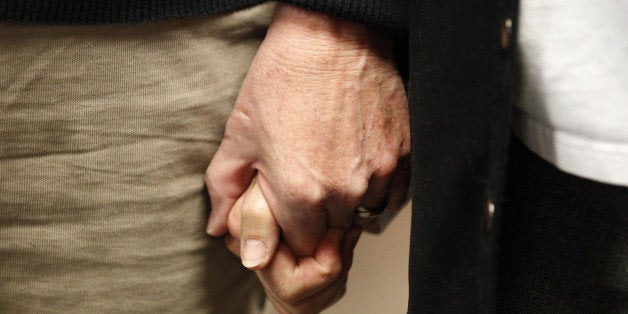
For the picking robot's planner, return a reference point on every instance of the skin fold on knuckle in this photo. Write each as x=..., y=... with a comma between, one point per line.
x=330, y=273
x=346, y=189
x=308, y=285
x=356, y=188
x=385, y=168
x=304, y=193
x=287, y=293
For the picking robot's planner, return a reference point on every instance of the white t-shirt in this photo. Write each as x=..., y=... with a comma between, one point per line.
x=573, y=109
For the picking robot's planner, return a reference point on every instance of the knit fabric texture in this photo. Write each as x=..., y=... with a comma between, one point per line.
x=389, y=15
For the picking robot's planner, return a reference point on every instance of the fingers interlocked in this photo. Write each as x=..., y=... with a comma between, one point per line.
x=293, y=284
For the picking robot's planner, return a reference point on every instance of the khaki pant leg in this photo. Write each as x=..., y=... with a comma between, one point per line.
x=105, y=134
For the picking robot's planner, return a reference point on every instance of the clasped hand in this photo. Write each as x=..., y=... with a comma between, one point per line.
x=320, y=126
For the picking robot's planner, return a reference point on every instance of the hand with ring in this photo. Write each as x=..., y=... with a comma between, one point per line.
x=322, y=121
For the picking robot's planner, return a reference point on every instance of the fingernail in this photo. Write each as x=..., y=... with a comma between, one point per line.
x=210, y=229
x=253, y=253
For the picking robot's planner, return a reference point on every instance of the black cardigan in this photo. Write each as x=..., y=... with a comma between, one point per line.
x=460, y=56
x=458, y=89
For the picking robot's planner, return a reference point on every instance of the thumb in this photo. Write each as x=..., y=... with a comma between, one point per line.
x=259, y=232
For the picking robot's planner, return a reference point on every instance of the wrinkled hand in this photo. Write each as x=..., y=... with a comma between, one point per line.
x=322, y=120
x=294, y=285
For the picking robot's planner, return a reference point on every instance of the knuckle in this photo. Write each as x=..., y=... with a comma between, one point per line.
x=306, y=192
x=292, y=294
x=330, y=273
x=289, y=294
x=386, y=167
x=347, y=191
x=355, y=191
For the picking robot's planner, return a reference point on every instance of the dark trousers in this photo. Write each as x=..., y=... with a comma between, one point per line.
x=563, y=241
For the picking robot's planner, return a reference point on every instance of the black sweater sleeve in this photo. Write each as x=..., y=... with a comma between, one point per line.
x=386, y=14
x=390, y=15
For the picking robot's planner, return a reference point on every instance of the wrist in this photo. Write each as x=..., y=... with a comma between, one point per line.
x=300, y=34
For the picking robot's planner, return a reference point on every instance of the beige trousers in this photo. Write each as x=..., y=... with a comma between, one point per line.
x=105, y=134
